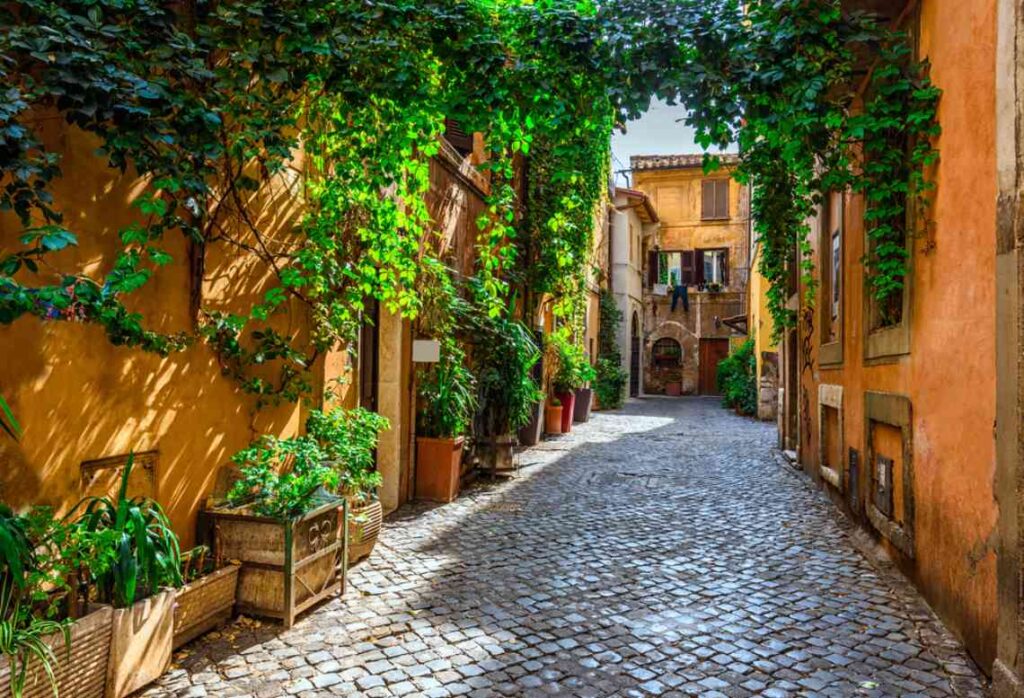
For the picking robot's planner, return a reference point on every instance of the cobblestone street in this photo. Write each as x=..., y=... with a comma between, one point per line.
x=659, y=550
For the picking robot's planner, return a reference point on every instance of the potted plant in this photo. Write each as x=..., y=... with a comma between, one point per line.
x=283, y=524
x=584, y=394
x=49, y=642
x=530, y=434
x=553, y=416
x=570, y=375
x=207, y=599
x=447, y=402
x=138, y=565
x=349, y=439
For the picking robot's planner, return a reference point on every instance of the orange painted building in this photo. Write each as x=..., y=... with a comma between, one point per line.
x=895, y=420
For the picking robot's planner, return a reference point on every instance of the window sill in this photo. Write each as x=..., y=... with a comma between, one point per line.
x=830, y=355
x=889, y=343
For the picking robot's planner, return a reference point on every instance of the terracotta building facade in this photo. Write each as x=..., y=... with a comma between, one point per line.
x=696, y=271
x=894, y=413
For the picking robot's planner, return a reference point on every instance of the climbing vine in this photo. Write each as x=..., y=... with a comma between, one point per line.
x=299, y=135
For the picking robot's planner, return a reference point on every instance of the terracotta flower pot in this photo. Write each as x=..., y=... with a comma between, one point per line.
x=584, y=403
x=674, y=389
x=438, y=467
x=568, y=401
x=553, y=419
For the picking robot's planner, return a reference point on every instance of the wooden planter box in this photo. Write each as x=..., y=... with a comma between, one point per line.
x=363, y=530
x=204, y=604
x=287, y=566
x=140, y=644
x=83, y=672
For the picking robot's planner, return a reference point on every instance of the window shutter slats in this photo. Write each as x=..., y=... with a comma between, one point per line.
x=722, y=199
x=689, y=277
x=707, y=199
x=652, y=268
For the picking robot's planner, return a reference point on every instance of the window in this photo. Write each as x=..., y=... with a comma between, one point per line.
x=713, y=266
x=830, y=241
x=459, y=139
x=694, y=267
x=667, y=353
x=714, y=199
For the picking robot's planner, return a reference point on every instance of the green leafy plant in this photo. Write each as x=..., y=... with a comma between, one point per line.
x=447, y=393
x=282, y=478
x=737, y=379
x=7, y=421
x=137, y=552
x=25, y=637
x=573, y=370
x=610, y=381
x=348, y=439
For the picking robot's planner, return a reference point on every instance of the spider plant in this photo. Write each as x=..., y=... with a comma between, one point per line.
x=139, y=553
x=24, y=637
x=447, y=392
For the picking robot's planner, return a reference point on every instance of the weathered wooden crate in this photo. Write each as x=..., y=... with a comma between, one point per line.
x=286, y=566
x=83, y=672
x=204, y=604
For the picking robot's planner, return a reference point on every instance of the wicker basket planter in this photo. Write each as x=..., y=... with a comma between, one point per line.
x=82, y=673
x=286, y=566
x=140, y=644
x=204, y=604
x=364, y=524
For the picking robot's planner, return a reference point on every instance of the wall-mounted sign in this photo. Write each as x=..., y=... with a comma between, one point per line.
x=426, y=351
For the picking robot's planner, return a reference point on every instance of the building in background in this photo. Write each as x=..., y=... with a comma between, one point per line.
x=761, y=329
x=696, y=269
x=634, y=228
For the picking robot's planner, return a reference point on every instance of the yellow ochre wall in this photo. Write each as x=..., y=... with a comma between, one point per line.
x=80, y=398
x=949, y=373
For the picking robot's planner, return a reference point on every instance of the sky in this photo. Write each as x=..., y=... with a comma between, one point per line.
x=659, y=131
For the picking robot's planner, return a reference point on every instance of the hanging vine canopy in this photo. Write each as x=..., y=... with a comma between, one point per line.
x=208, y=105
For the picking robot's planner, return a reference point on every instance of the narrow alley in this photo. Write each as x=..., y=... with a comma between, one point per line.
x=660, y=550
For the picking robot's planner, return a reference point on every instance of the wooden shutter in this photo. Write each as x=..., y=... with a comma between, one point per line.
x=460, y=140
x=652, y=268
x=707, y=198
x=725, y=268
x=722, y=199
x=689, y=273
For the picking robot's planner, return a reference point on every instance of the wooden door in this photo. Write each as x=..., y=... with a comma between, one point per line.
x=712, y=351
x=369, y=356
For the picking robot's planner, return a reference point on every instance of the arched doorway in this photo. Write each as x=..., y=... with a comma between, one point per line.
x=634, y=357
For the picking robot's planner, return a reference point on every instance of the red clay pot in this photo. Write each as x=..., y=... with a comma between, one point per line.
x=568, y=401
x=438, y=468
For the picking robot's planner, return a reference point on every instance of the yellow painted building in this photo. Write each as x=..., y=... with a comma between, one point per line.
x=696, y=270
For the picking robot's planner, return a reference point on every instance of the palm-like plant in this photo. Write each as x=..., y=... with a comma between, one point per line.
x=138, y=551
x=448, y=394
x=24, y=638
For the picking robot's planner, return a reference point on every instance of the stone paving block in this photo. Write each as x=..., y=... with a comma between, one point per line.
x=659, y=550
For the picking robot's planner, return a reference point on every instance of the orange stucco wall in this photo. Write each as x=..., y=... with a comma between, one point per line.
x=949, y=374
x=79, y=398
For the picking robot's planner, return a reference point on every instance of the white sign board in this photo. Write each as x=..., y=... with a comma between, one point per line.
x=426, y=351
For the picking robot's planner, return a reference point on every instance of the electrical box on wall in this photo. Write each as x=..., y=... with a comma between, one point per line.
x=883, y=485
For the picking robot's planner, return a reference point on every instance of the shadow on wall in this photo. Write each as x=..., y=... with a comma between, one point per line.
x=79, y=398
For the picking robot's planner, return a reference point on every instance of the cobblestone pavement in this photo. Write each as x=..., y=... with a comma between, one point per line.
x=660, y=550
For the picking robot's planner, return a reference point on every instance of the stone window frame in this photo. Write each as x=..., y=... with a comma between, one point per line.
x=894, y=410
x=830, y=354
x=830, y=396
